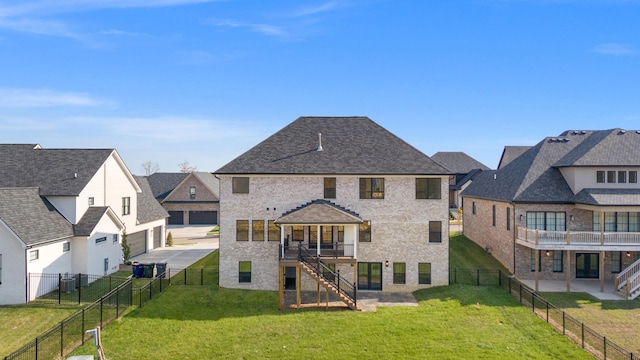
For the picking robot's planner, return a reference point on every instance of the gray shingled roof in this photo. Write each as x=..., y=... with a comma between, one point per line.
x=351, y=145
x=162, y=184
x=210, y=181
x=55, y=171
x=458, y=162
x=89, y=220
x=464, y=179
x=32, y=218
x=319, y=211
x=534, y=176
x=609, y=197
x=149, y=209
x=510, y=153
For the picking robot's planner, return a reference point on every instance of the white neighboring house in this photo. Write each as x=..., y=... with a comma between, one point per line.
x=64, y=210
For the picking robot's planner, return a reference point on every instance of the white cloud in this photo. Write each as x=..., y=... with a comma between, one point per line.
x=616, y=49
x=37, y=98
x=313, y=10
x=264, y=29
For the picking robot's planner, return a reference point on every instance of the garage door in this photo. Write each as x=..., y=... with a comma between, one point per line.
x=157, y=237
x=203, y=217
x=137, y=243
x=176, y=218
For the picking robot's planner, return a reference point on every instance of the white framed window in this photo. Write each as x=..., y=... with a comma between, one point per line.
x=66, y=246
x=91, y=201
x=34, y=255
x=101, y=240
x=126, y=205
x=192, y=192
x=115, y=238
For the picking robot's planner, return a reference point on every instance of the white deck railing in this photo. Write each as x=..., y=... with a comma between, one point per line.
x=628, y=273
x=543, y=237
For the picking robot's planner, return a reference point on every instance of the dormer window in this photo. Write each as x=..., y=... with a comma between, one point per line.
x=192, y=192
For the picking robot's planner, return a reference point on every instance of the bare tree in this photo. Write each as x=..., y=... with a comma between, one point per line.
x=185, y=167
x=150, y=167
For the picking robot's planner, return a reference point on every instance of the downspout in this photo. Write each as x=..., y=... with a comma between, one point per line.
x=513, y=236
x=26, y=274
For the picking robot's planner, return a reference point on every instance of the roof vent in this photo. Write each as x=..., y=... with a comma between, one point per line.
x=319, y=142
x=75, y=175
x=495, y=176
x=583, y=132
x=622, y=131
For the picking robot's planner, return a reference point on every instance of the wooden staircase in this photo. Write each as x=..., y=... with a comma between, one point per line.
x=330, y=285
x=627, y=282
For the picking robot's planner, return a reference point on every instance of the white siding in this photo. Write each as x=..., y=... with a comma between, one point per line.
x=97, y=252
x=580, y=178
x=12, y=288
x=52, y=260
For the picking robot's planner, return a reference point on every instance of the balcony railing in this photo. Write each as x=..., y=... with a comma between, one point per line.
x=578, y=238
x=327, y=250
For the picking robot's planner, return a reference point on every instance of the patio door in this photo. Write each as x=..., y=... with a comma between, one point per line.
x=369, y=276
x=587, y=266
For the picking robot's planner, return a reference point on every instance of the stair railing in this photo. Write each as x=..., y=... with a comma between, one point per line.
x=323, y=271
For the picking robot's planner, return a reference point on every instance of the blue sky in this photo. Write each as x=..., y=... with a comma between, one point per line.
x=203, y=81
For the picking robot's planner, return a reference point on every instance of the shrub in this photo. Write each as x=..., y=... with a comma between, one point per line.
x=126, y=249
x=169, y=239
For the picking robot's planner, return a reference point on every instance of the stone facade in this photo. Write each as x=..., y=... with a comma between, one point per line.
x=501, y=243
x=399, y=227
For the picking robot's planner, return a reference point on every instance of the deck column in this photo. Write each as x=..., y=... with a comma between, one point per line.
x=318, y=240
x=567, y=269
x=601, y=227
x=298, y=290
x=537, y=265
x=280, y=287
x=282, y=241
x=602, y=271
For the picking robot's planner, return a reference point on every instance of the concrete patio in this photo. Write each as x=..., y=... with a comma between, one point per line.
x=590, y=286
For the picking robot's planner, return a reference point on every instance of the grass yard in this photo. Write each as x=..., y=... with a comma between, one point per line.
x=465, y=254
x=195, y=322
x=22, y=323
x=618, y=320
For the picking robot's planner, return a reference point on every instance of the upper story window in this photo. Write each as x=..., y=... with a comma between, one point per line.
x=622, y=177
x=435, y=231
x=66, y=246
x=274, y=231
x=34, y=255
x=611, y=176
x=364, y=233
x=428, y=188
x=372, y=188
x=600, y=176
x=633, y=177
x=546, y=220
x=240, y=185
x=91, y=201
x=192, y=192
x=329, y=188
x=126, y=205
x=473, y=207
x=242, y=230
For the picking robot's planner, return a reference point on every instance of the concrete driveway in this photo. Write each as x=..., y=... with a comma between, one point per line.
x=191, y=244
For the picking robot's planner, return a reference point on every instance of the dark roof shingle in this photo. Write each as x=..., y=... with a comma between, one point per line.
x=351, y=145
x=458, y=162
x=149, y=209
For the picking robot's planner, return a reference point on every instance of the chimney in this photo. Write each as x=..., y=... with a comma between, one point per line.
x=319, y=142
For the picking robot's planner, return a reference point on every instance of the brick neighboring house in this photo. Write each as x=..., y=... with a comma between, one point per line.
x=189, y=198
x=567, y=208
x=63, y=211
x=465, y=169
x=347, y=195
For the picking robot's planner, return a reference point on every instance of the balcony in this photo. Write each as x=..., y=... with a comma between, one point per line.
x=578, y=240
x=336, y=250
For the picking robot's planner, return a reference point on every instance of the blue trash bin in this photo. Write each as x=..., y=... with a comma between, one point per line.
x=138, y=270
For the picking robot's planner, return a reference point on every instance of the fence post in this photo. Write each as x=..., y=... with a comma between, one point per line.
x=79, y=288
x=201, y=276
x=520, y=293
x=605, y=347
x=500, y=278
x=118, y=301
x=533, y=302
x=169, y=271
x=36, y=348
x=185, y=276
x=455, y=275
x=582, y=335
x=477, y=277
x=59, y=288
x=563, y=324
x=547, y=310
x=61, y=339
x=82, y=333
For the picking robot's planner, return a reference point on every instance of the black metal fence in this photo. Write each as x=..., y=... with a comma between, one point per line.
x=65, y=337
x=589, y=339
x=70, y=288
x=202, y=277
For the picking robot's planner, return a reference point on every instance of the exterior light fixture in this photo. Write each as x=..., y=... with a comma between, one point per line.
x=547, y=253
x=521, y=217
x=628, y=254
x=572, y=217
x=386, y=263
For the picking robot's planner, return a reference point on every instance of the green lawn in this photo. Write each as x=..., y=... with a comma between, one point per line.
x=22, y=323
x=465, y=254
x=204, y=323
x=618, y=320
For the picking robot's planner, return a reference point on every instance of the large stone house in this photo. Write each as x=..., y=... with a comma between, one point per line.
x=63, y=211
x=333, y=201
x=567, y=208
x=189, y=198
